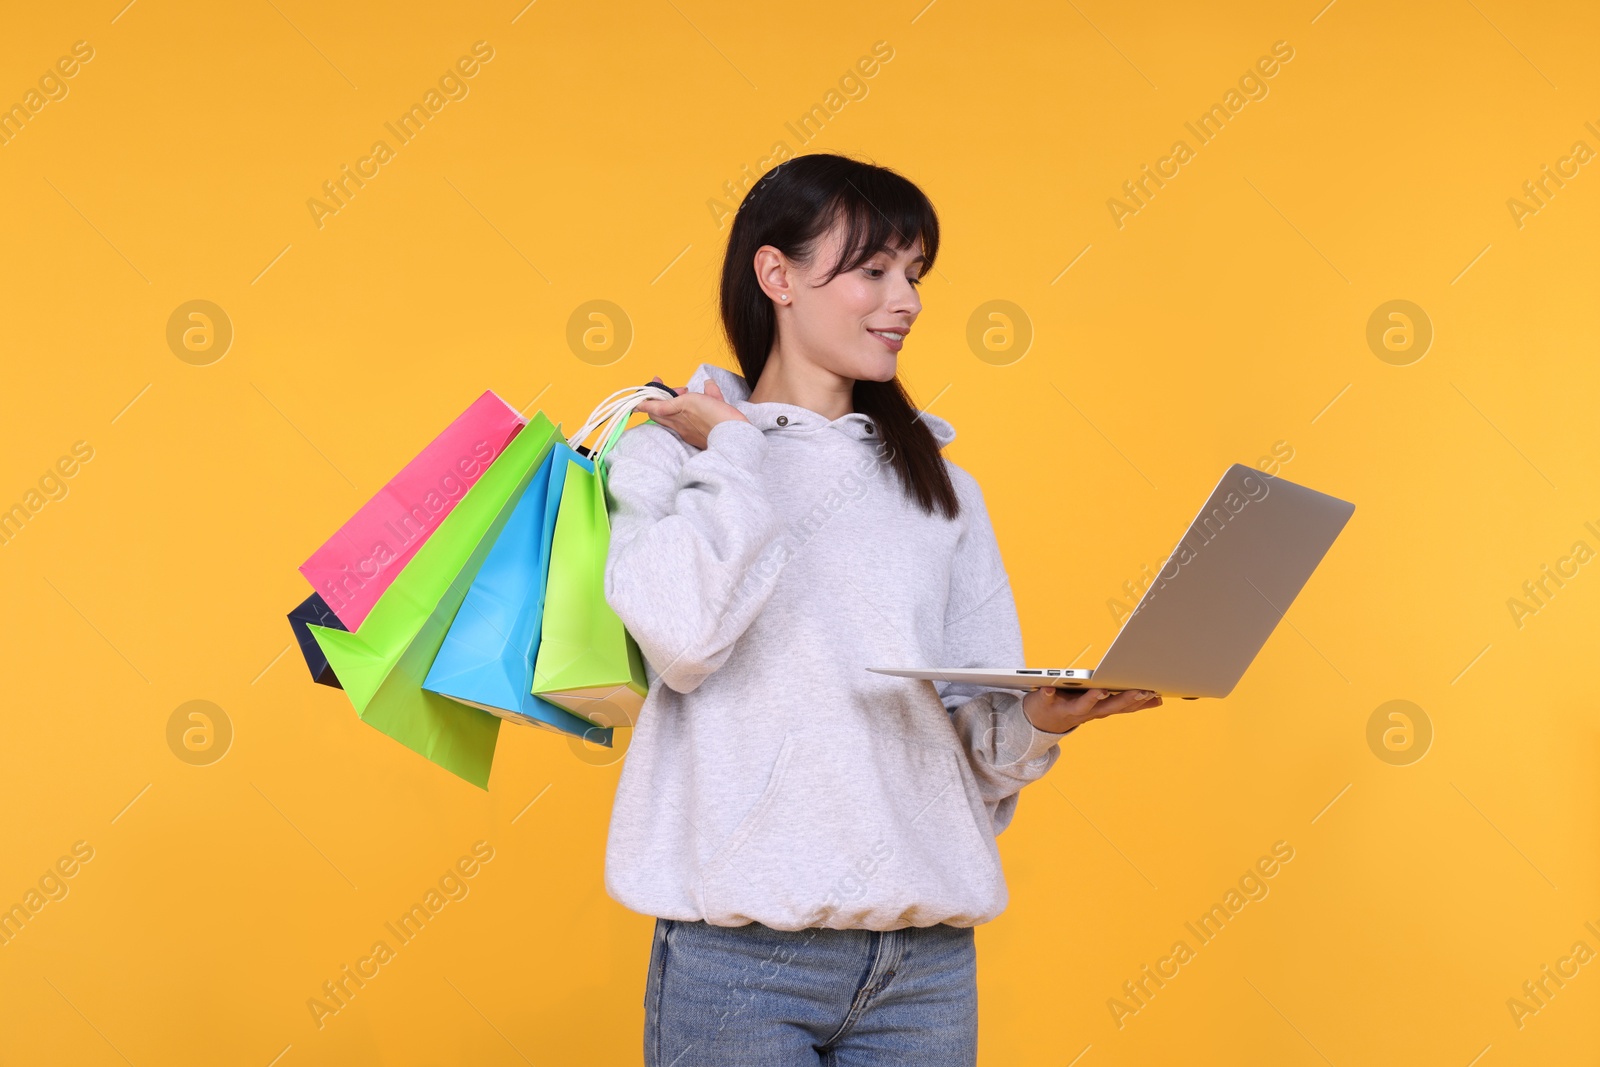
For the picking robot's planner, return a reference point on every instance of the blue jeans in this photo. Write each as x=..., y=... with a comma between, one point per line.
x=752, y=996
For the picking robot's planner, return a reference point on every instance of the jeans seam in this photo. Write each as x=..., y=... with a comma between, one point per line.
x=869, y=989
x=660, y=980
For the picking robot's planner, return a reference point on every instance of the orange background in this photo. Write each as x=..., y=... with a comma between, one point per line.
x=1225, y=319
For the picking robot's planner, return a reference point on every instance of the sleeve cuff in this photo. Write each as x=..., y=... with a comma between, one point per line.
x=740, y=441
x=1020, y=741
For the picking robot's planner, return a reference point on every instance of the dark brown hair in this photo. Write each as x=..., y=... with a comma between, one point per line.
x=791, y=208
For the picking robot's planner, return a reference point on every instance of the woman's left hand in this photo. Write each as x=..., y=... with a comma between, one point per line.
x=1056, y=710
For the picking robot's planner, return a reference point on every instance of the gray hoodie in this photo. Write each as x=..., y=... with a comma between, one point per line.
x=770, y=776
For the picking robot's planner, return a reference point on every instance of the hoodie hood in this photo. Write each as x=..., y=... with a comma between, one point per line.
x=773, y=417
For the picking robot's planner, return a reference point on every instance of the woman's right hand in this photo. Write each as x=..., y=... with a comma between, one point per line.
x=692, y=415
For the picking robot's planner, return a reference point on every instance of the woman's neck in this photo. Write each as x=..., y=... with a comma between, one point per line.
x=805, y=385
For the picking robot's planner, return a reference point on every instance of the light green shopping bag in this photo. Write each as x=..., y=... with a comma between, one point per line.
x=588, y=663
x=383, y=663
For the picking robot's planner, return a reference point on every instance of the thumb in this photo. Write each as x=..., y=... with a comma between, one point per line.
x=713, y=389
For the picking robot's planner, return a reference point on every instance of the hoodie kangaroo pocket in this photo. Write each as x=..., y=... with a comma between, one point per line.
x=753, y=818
x=879, y=835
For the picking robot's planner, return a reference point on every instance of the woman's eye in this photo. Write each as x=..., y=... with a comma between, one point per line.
x=875, y=272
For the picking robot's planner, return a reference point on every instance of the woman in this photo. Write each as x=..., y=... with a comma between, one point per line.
x=816, y=841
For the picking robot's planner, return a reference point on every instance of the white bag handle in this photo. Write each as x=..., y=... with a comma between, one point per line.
x=619, y=405
x=602, y=410
x=622, y=400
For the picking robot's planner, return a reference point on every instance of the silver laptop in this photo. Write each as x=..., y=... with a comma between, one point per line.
x=1212, y=607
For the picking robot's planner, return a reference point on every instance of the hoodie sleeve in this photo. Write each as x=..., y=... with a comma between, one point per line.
x=688, y=530
x=1005, y=749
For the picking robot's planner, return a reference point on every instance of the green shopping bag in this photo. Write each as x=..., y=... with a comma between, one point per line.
x=587, y=663
x=383, y=663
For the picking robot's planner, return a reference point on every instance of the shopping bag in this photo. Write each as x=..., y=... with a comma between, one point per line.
x=383, y=663
x=488, y=654
x=315, y=610
x=358, y=563
x=587, y=661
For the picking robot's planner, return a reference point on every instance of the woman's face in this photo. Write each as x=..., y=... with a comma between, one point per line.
x=834, y=325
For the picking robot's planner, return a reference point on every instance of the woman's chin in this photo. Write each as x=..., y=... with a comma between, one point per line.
x=880, y=368
x=866, y=366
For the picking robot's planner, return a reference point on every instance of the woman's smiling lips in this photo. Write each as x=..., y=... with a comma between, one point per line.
x=893, y=340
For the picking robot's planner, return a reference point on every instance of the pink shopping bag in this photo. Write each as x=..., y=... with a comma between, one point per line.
x=357, y=564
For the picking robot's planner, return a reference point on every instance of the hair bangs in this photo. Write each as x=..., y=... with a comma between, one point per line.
x=889, y=214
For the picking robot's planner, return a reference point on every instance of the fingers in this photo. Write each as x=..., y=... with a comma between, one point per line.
x=666, y=405
x=1130, y=700
x=1082, y=700
x=1103, y=702
x=1098, y=703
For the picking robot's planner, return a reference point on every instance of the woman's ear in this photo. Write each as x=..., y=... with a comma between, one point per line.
x=773, y=273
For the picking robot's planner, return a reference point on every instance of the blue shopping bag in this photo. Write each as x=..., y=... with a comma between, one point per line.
x=488, y=655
